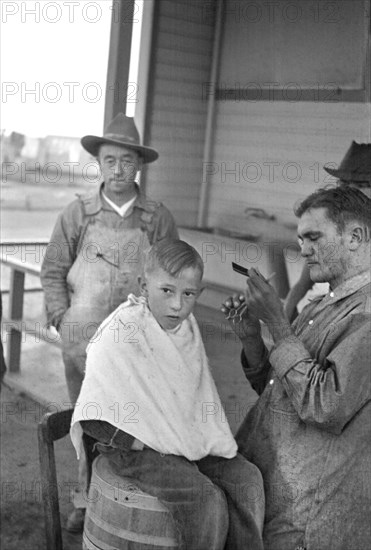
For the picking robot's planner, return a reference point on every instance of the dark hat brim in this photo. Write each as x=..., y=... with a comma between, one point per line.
x=345, y=175
x=91, y=144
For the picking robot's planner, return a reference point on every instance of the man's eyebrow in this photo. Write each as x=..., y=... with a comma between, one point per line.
x=125, y=155
x=310, y=234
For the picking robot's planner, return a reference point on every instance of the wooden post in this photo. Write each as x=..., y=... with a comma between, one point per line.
x=15, y=315
x=123, y=17
x=210, y=130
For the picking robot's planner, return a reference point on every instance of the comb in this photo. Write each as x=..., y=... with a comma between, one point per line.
x=239, y=269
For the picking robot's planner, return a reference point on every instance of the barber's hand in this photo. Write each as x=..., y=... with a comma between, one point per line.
x=261, y=298
x=244, y=324
x=264, y=303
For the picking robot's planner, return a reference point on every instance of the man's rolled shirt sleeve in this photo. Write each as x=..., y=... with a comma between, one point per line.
x=259, y=375
x=328, y=391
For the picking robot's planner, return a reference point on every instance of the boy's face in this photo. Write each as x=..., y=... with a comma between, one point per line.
x=172, y=299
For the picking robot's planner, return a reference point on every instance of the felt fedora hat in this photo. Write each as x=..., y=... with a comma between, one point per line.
x=120, y=131
x=356, y=165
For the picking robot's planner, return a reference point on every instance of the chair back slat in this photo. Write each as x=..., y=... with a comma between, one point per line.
x=52, y=427
x=56, y=424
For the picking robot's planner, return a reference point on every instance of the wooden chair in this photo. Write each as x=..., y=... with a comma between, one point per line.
x=52, y=427
x=136, y=508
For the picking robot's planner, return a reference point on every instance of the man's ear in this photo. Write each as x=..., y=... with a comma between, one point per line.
x=358, y=235
x=143, y=286
x=200, y=291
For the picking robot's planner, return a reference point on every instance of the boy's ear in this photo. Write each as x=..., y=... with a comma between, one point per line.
x=142, y=285
x=201, y=291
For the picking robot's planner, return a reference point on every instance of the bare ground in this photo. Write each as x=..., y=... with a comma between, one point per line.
x=22, y=515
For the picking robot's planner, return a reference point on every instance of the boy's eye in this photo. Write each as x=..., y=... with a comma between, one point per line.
x=189, y=294
x=166, y=290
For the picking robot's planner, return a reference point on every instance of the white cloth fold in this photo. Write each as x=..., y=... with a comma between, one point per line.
x=154, y=384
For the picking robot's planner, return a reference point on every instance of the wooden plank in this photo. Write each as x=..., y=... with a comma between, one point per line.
x=22, y=267
x=15, y=313
x=33, y=289
x=24, y=327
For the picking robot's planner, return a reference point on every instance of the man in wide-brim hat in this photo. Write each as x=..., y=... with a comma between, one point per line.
x=95, y=254
x=355, y=168
x=123, y=132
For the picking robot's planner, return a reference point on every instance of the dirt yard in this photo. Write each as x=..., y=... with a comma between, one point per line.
x=22, y=515
x=29, y=211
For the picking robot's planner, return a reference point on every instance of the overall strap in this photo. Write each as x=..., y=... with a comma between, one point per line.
x=90, y=205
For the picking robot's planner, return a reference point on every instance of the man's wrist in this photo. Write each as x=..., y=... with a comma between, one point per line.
x=255, y=353
x=280, y=330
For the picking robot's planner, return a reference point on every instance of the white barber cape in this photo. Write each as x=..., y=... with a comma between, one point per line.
x=154, y=384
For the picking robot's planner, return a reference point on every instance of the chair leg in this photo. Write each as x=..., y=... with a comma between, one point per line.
x=49, y=488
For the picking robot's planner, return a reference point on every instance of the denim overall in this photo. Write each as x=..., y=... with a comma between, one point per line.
x=105, y=271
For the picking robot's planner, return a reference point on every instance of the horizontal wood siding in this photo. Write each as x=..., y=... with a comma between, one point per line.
x=176, y=116
x=267, y=146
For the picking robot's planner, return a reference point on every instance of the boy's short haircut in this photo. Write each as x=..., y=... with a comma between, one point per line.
x=172, y=256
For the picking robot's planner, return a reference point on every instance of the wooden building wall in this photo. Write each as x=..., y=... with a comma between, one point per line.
x=176, y=111
x=275, y=152
x=266, y=154
x=293, y=93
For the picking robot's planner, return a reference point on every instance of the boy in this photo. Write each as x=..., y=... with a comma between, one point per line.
x=148, y=358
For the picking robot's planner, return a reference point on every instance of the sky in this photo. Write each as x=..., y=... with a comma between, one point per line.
x=54, y=59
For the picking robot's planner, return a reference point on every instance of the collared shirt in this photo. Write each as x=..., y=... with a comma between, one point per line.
x=310, y=431
x=119, y=209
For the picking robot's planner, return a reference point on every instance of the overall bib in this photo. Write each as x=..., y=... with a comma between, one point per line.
x=104, y=273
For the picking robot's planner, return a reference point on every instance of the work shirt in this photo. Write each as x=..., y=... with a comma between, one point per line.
x=309, y=433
